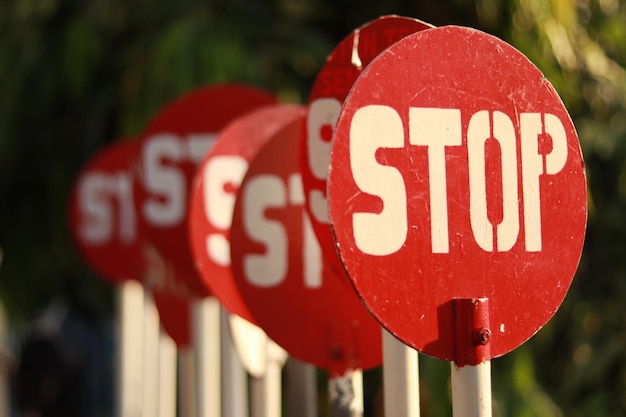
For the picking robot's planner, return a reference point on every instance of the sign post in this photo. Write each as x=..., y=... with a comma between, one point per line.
x=266, y=390
x=471, y=370
x=457, y=197
x=151, y=360
x=301, y=389
x=166, y=376
x=400, y=378
x=234, y=377
x=187, y=393
x=130, y=351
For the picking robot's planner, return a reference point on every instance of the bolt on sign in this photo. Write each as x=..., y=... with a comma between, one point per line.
x=332, y=85
x=172, y=146
x=456, y=173
x=278, y=266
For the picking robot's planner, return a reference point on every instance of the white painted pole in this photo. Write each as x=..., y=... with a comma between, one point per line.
x=400, y=378
x=151, y=361
x=471, y=390
x=266, y=391
x=167, y=376
x=250, y=343
x=471, y=370
x=206, y=330
x=187, y=392
x=129, y=355
x=301, y=389
x=346, y=394
x=234, y=377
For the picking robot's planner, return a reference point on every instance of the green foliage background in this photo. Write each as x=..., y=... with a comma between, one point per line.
x=75, y=75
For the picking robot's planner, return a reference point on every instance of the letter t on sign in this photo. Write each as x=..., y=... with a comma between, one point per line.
x=436, y=129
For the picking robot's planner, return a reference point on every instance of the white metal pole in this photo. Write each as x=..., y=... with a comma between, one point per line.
x=346, y=394
x=130, y=347
x=234, y=378
x=266, y=391
x=301, y=388
x=206, y=330
x=471, y=370
x=257, y=394
x=187, y=392
x=266, y=394
x=250, y=343
x=400, y=378
x=151, y=361
x=471, y=390
x=167, y=376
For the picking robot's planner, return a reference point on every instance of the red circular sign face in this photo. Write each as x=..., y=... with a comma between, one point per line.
x=456, y=173
x=102, y=214
x=278, y=266
x=213, y=197
x=329, y=91
x=172, y=146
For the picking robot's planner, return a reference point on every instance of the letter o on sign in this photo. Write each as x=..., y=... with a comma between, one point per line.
x=456, y=172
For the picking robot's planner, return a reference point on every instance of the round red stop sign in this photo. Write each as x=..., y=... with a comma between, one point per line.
x=329, y=91
x=456, y=173
x=278, y=266
x=102, y=214
x=213, y=197
x=172, y=146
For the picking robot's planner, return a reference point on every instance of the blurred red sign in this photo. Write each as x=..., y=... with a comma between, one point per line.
x=213, y=197
x=102, y=215
x=278, y=266
x=172, y=146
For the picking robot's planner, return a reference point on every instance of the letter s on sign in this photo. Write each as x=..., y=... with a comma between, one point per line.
x=163, y=180
x=322, y=112
x=374, y=127
x=261, y=193
x=97, y=194
x=219, y=204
